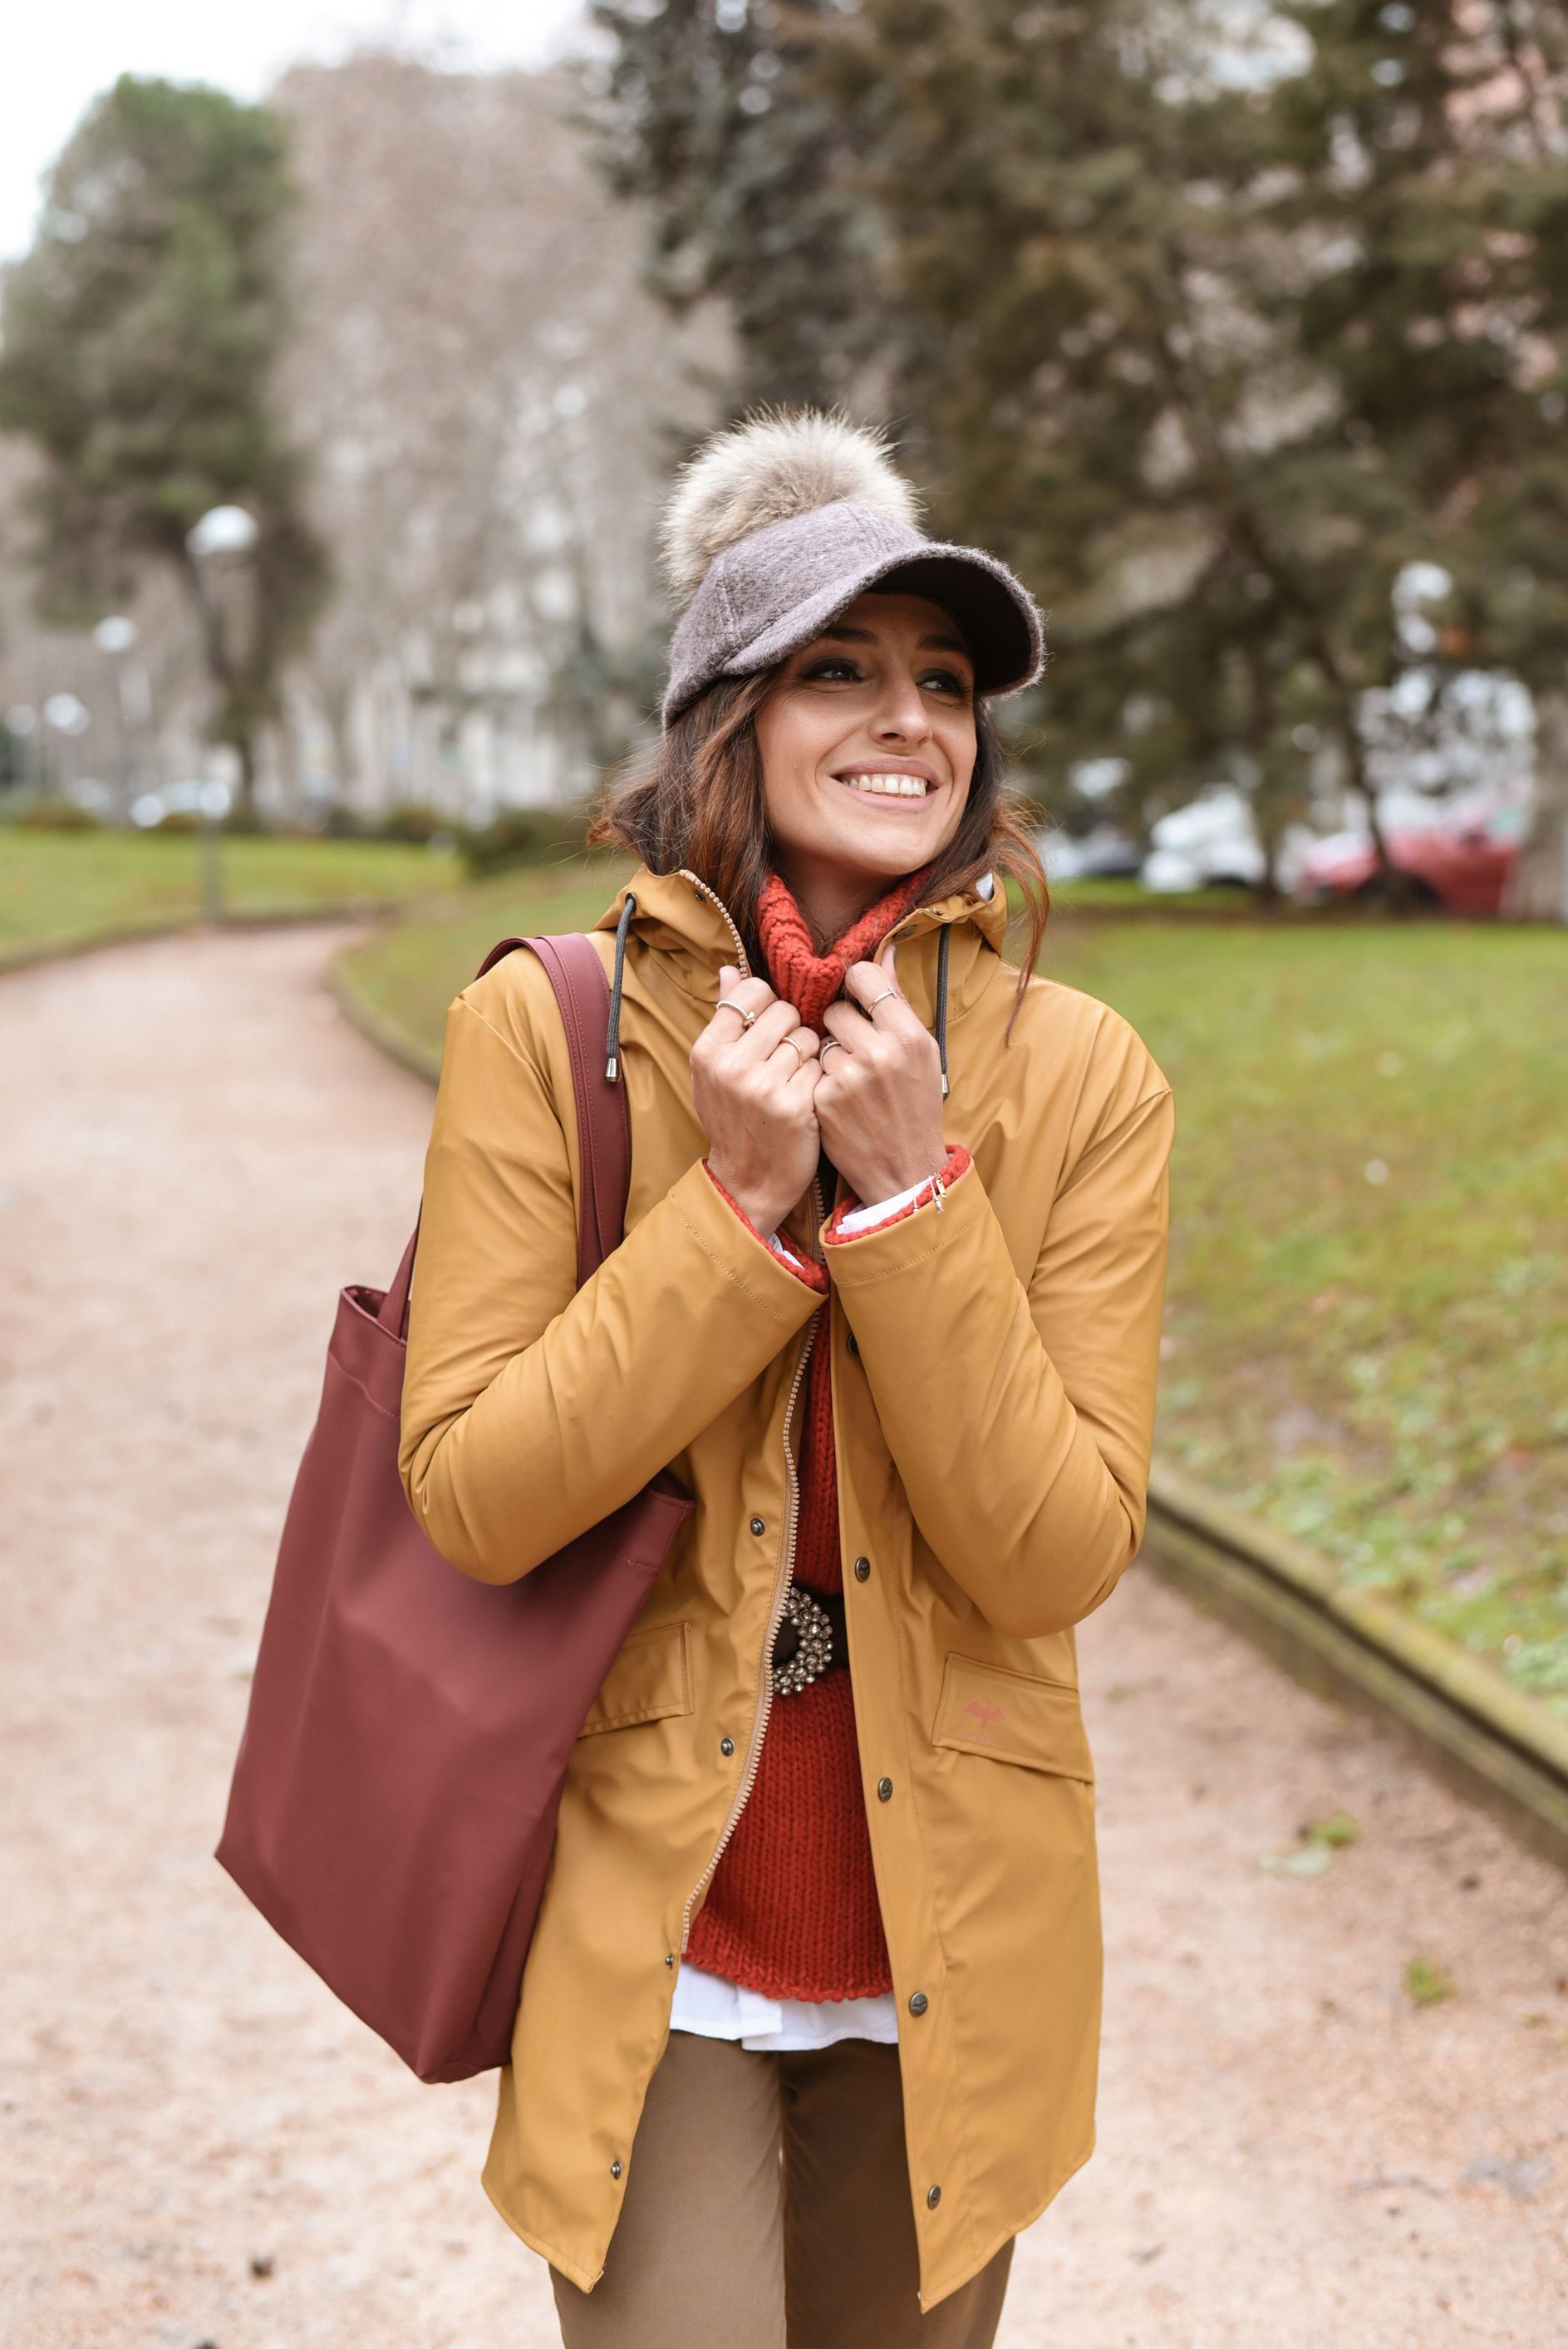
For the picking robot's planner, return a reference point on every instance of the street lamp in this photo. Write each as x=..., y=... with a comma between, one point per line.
x=224, y=529
x=116, y=639
x=222, y=532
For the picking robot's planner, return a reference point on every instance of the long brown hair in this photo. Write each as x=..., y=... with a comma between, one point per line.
x=696, y=802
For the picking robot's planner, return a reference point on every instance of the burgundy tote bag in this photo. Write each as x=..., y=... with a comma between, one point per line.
x=394, y=1801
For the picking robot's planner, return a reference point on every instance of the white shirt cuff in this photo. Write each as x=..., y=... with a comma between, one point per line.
x=861, y=1219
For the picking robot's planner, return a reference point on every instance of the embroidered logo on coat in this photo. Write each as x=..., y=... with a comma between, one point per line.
x=986, y=1716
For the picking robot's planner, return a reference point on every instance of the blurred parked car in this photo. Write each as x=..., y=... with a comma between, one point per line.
x=1458, y=856
x=1211, y=843
x=1103, y=854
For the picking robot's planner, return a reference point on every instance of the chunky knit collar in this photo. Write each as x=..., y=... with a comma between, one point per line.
x=805, y=979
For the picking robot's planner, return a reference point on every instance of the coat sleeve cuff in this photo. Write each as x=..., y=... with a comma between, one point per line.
x=815, y=1275
x=930, y=1194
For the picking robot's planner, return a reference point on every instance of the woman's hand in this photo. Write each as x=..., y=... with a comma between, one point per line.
x=878, y=1098
x=753, y=1080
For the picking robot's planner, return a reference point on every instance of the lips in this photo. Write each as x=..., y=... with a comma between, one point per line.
x=890, y=787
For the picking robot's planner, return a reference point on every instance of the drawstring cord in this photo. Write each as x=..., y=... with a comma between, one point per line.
x=612, y=1033
x=946, y=939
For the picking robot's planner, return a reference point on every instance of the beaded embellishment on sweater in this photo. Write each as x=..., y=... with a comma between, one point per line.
x=812, y=1654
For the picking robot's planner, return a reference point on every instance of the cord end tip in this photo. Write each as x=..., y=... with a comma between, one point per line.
x=611, y=1066
x=946, y=1088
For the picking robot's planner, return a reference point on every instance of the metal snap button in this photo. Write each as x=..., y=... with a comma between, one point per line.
x=884, y=1790
x=670, y=1960
x=862, y=1570
x=933, y=2197
x=918, y=2003
x=726, y=1746
x=758, y=1526
x=615, y=2171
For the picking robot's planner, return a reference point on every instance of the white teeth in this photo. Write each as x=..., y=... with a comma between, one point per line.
x=892, y=787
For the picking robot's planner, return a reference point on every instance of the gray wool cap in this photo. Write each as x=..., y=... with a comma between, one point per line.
x=761, y=588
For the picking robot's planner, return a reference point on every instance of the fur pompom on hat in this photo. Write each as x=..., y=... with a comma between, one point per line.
x=778, y=524
x=768, y=470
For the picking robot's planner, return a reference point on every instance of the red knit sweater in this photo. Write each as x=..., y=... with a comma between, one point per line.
x=793, y=1909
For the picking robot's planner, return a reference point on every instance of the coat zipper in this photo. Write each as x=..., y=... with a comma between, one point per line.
x=724, y=915
x=766, y=1675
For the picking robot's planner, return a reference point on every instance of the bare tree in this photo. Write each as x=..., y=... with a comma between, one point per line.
x=492, y=400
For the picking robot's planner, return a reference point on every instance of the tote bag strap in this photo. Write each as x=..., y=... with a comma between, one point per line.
x=604, y=1125
x=576, y=977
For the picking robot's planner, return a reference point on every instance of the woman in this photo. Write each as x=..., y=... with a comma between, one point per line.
x=824, y=1871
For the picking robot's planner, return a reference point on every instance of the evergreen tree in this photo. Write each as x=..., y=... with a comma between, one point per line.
x=716, y=117
x=1426, y=150
x=1212, y=337
x=1220, y=343
x=1079, y=204
x=139, y=338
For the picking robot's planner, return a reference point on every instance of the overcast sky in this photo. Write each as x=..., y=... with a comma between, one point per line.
x=59, y=54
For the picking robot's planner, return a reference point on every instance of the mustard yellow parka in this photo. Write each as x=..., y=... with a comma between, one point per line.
x=993, y=1374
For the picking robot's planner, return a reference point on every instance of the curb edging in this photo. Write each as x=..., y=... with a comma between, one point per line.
x=1494, y=1746
x=388, y=1034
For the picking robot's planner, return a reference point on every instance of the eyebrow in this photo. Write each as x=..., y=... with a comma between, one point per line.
x=844, y=635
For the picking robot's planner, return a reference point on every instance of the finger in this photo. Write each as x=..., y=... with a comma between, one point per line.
x=873, y=986
x=794, y=1052
x=768, y=1032
x=741, y=996
x=801, y=1085
x=844, y=1023
x=742, y=1049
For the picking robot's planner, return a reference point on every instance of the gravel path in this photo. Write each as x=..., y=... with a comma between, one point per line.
x=201, y=2147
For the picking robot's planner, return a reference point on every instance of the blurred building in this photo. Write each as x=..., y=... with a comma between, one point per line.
x=491, y=402
x=494, y=402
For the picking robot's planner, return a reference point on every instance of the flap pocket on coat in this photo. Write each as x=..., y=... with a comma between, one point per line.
x=1013, y=1718
x=648, y=1680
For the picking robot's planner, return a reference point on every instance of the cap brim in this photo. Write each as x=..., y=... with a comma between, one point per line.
x=1000, y=618
x=1002, y=637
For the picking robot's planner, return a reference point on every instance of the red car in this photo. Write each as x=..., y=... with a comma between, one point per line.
x=1459, y=859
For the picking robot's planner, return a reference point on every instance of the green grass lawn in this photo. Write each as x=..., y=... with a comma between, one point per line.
x=63, y=889
x=1367, y=1333
x=411, y=971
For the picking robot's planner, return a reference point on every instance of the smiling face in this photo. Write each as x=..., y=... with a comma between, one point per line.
x=868, y=746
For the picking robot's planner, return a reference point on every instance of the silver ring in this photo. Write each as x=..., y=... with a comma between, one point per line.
x=794, y=1047
x=886, y=997
x=729, y=1004
x=827, y=1045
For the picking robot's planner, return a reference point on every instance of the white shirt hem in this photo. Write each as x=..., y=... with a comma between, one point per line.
x=711, y=2008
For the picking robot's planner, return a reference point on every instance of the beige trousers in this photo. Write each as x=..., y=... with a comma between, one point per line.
x=722, y=2244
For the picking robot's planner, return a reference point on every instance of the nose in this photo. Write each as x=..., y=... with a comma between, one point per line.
x=902, y=713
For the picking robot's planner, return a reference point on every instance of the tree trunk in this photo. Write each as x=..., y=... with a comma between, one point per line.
x=1396, y=881
x=1265, y=811
x=1537, y=888
x=222, y=672
x=247, y=756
